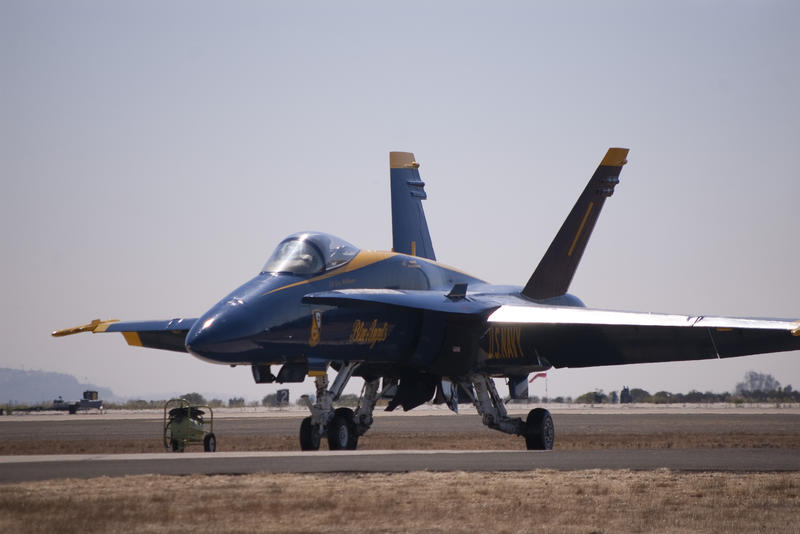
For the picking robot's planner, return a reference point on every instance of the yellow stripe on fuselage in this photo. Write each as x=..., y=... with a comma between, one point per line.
x=365, y=258
x=445, y=267
x=362, y=259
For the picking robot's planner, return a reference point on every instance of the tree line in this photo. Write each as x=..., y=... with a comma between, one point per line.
x=756, y=387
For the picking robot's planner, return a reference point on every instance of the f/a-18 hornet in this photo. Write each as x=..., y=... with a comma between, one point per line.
x=415, y=329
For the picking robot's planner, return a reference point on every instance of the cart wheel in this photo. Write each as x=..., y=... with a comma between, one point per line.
x=177, y=446
x=210, y=442
x=167, y=437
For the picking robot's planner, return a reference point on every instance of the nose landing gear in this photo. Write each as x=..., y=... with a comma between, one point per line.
x=342, y=431
x=309, y=436
x=341, y=426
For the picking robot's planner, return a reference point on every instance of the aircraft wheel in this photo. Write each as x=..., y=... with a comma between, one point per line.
x=309, y=440
x=540, y=434
x=342, y=432
x=210, y=442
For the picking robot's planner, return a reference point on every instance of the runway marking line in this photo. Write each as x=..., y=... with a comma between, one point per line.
x=37, y=458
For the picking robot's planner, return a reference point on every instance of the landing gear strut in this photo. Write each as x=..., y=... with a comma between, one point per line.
x=342, y=426
x=537, y=429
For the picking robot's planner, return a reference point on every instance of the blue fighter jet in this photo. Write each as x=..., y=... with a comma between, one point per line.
x=416, y=330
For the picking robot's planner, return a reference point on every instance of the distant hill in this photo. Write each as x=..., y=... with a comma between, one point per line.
x=30, y=387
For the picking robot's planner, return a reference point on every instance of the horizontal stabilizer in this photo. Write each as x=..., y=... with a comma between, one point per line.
x=556, y=269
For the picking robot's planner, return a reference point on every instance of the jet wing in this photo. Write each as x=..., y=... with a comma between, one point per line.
x=166, y=335
x=583, y=337
x=438, y=301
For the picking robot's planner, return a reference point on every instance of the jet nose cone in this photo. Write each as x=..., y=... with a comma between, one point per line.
x=227, y=329
x=202, y=337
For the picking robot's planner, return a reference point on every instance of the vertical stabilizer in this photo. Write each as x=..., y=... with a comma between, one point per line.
x=409, y=229
x=554, y=273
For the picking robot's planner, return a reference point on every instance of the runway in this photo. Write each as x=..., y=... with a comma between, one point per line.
x=31, y=468
x=719, y=443
x=111, y=426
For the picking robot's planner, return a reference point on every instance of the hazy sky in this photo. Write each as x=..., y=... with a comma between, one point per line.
x=154, y=153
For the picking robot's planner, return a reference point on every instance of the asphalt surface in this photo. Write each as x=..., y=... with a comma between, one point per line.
x=81, y=427
x=31, y=468
x=42, y=467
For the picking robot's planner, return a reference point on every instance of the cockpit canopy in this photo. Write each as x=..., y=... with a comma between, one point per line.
x=308, y=253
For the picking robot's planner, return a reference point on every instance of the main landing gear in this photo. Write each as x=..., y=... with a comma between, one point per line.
x=342, y=426
x=537, y=429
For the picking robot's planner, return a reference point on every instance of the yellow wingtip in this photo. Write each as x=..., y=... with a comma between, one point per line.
x=97, y=325
x=615, y=157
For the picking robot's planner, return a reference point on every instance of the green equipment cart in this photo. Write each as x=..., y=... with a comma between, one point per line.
x=186, y=423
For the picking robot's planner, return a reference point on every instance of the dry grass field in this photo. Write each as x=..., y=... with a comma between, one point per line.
x=597, y=501
x=537, y=501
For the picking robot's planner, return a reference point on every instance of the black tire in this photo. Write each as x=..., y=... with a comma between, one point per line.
x=347, y=413
x=540, y=433
x=168, y=437
x=342, y=432
x=309, y=440
x=210, y=442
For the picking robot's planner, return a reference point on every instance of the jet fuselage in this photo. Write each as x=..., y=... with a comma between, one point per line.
x=265, y=321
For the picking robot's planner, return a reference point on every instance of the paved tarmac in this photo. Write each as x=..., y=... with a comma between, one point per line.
x=81, y=427
x=32, y=468
x=42, y=467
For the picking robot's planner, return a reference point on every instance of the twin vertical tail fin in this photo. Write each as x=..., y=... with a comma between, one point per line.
x=409, y=228
x=554, y=273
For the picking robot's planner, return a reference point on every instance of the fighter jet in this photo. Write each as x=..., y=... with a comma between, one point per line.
x=416, y=330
